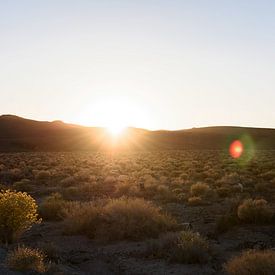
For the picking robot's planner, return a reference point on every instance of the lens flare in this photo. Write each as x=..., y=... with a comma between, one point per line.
x=236, y=149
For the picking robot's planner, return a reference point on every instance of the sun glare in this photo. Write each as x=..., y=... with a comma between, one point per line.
x=116, y=129
x=114, y=114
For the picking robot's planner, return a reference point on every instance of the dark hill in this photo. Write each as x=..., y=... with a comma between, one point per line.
x=19, y=134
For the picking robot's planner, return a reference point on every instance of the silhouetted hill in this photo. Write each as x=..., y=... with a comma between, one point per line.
x=20, y=134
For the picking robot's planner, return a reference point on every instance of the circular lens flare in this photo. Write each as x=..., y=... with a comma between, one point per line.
x=236, y=149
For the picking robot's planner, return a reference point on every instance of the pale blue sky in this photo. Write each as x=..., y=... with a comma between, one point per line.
x=156, y=64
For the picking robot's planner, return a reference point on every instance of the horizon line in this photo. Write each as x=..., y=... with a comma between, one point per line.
x=130, y=126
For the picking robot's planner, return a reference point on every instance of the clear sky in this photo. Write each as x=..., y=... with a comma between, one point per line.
x=151, y=63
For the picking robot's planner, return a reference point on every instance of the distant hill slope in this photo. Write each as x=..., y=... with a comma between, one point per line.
x=20, y=134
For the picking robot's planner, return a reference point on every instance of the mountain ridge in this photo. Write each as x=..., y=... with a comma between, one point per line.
x=21, y=134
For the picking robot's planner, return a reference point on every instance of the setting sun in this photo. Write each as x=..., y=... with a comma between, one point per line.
x=114, y=114
x=116, y=129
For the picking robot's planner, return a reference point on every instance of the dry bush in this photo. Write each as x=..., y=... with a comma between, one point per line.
x=88, y=191
x=230, y=179
x=135, y=219
x=252, y=263
x=26, y=259
x=254, y=211
x=199, y=189
x=51, y=207
x=185, y=247
x=23, y=185
x=118, y=219
x=42, y=175
x=226, y=222
x=18, y=212
x=262, y=187
x=224, y=191
x=50, y=250
x=126, y=189
x=193, y=201
x=81, y=218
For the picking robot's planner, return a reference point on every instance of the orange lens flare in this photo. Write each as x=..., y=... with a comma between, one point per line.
x=236, y=149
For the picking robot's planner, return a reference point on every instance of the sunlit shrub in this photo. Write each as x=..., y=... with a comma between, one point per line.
x=135, y=219
x=50, y=250
x=126, y=189
x=118, y=219
x=81, y=218
x=199, y=189
x=51, y=207
x=254, y=211
x=185, y=247
x=252, y=263
x=26, y=259
x=18, y=212
x=195, y=201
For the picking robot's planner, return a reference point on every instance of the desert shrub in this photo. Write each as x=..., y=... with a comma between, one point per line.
x=50, y=250
x=81, y=218
x=135, y=219
x=23, y=185
x=231, y=179
x=262, y=187
x=71, y=192
x=199, y=189
x=26, y=259
x=18, y=211
x=185, y=247
x=254, y=211
x=252, y=263
x=126, y=189
x=118, y=219
x=226, y=222
x=51, y=207
x=43, y=175
x=68, y=181
x=88, y=191
x=195, y=201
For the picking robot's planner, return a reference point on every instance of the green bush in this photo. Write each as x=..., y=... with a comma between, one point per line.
x=26, y=259
x=252, y=263
x=18, y=212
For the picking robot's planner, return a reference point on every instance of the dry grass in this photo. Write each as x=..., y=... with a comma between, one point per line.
x=252, y=263
x=118, y=219
x=193, y=201
x=254, y=211
x=185, y=247
x=51, y=207
x=26, y=259
x=199, y=189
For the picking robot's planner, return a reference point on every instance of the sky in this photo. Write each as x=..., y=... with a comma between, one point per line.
x=153, y=64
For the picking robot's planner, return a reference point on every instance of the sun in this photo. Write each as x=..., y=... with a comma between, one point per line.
x=115, y=114
x=116, y=129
